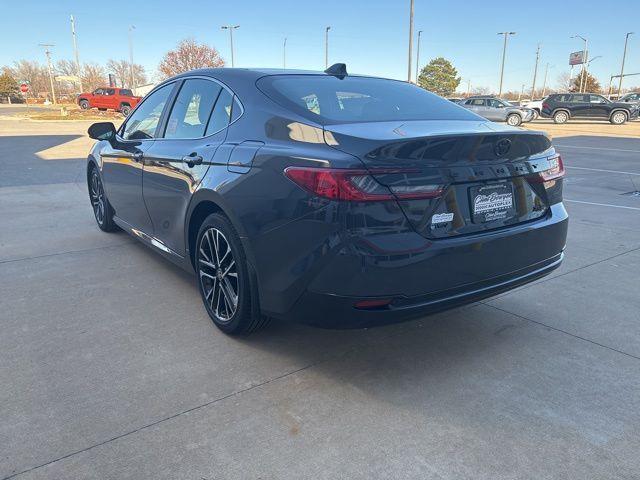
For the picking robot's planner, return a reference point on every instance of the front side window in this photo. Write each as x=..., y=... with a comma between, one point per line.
x=143, y=122
x=126, y=92
x=495, y=103
x=192, y=110
x=98, y=91
x=327, y=99
x=596, y=99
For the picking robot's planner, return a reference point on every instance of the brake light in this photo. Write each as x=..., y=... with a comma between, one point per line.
x=356, y=185
x=554, y=172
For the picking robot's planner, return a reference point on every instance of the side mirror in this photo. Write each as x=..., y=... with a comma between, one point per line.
x=102, y=131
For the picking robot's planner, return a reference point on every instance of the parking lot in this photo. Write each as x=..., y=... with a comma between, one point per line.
x=111, y=368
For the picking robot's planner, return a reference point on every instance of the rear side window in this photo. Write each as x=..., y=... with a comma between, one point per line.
x=192, y=109
x=579, y=98
x=221, y=113
x=327, y=99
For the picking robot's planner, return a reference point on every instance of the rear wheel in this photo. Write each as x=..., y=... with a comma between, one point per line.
x=618, y=118
x=560, y=117
x=84, y=104
x=125, y=110
x=228, y=292
x=102, y=210
x=514, y=119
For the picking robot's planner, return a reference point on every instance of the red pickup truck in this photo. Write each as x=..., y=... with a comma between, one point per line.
x=119, y=99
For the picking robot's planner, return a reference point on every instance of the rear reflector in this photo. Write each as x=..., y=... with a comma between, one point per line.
x=555, y=171
x=372, y=303
x=356, y=185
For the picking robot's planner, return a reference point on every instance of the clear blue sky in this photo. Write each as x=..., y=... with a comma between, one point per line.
x=369, y=35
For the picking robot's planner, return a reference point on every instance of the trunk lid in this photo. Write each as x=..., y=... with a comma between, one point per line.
x=488, y=172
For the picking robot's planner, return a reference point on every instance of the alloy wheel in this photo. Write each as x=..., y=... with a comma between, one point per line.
x=619, y=118
x=96, y=192
x=218, y=274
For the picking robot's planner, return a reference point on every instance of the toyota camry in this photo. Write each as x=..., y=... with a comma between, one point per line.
x=327, y=198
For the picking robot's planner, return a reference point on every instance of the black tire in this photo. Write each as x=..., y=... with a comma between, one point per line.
x=619, y=118
x=84, y=104
x=102, y=109
x=125, y=110
x=217, y=246
x=561, y=117
x=536, y=114
x=102, y=210
x=514, y=119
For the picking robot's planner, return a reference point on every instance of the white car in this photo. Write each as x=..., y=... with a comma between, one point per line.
x=535, y=105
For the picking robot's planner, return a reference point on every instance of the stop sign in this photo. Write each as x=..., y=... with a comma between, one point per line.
x=24, y=88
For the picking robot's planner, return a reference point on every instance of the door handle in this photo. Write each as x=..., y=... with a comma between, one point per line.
x=192, y=159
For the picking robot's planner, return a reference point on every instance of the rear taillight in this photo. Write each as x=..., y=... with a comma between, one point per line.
x=554, y=172
x=356, y=185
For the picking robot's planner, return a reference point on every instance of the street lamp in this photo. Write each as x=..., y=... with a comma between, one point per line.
x=624, y=56
x=504, y=54
x=231, y=28
x=418, y=55
x=585, y=59
x=326, y=47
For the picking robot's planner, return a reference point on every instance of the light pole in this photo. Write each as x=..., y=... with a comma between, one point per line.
x=284, y=53
x=131, y=29
x=535, y=74
x=585, y=59
x=418, y=55
x=75, y=51
x=47, y=52
x=231, y=28
x=544, y=84
x=326, y=47
x=410, y=40
x=624, y=56
x=504, y=54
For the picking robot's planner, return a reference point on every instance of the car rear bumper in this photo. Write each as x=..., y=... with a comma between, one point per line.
x=419, y=276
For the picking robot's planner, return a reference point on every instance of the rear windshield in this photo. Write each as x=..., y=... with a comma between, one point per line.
x=327, y=99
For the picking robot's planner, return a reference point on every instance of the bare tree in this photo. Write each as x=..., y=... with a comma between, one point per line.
x=480, y=90
x=564, y=82
x=66, y=68
x=189, y=55
x=121, y=69
x=32, y=72
x=93, y=76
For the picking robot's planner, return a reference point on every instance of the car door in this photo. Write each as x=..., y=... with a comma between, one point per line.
x=599, y=107
x=122, y=166
x=496, y=110
x=97, y=98
x=176, y=163
x=580, y=105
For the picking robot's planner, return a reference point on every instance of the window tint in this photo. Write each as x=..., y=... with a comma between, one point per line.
x=478, y=102
x=495, y=103
x=221, y=113
x=109, y=91
x=126, y=92
x=236, y=111
x=144, y=120
x=596, y=99
x=328, y=99
x=192, y=109
x=579, y=98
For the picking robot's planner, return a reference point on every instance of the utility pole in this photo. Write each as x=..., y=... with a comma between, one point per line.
x=410, y=40
x=535, y=74
x=521, y=93
x=284, y=53
x=48, y=54
x=418, y=55
x=544, y=84
x=468, y=87
x=75, y=51
x=231, y=28
x=131, y=29
x=504, y=54
x=326, y=47
x=624, y=56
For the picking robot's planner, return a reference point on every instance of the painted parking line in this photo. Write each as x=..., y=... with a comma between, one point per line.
x=597, y=148
x=602, y=204
x=602, y=170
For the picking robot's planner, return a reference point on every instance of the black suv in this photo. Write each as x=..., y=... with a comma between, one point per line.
x=563, y=106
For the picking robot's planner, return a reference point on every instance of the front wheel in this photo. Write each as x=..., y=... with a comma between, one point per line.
x=228, y=292
x=514, y=120
x=618, y=118
x=102, y=210
x=561, y=117
x=84, y=104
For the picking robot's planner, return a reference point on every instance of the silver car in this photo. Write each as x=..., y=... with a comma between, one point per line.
x=498, y=110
